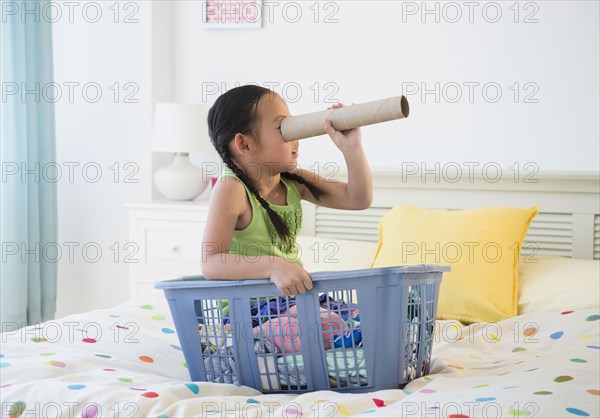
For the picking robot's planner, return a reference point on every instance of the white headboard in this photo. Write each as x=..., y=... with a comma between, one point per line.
x=568, y=223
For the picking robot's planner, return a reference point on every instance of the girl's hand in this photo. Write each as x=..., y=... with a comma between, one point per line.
x=348, y=140
x=289, y=277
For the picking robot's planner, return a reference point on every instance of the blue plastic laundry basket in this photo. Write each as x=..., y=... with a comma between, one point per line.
x=355, y=331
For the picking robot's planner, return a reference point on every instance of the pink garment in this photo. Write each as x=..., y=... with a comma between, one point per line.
x=284, y=332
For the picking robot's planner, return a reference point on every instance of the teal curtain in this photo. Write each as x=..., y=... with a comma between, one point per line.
x=28, y=210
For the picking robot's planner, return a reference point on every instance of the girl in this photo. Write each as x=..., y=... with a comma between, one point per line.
x=255, y=213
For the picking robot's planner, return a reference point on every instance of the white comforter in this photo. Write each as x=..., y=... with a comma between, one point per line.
x=127, y=362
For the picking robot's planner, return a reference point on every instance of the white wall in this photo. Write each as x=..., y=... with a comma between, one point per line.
x=110, y=134
x=371, y=53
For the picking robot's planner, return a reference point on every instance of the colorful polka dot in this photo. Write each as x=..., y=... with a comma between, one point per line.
x=176, y=347
x=454, y=366
x=157, y=317
x=557, y=335
x=292, y=412
x=125, y=379
x=594, y=346
x=577, y=412
x=47, y=353
x=518, y=349
x=485, y=399
x=168, y=331
x=561, y=379
x=150, y=395
x=139, y=389
x=1, y=355
x=114, y=315
x=146, y=306
x=4, y=364
x=480, y=386
x=89, y=340
x=90, y=411
x=76, y=387
x=427, y=391
x=184, y=364
x=342, y=410
x=250, y=400
x=566, y=312
x=146, y=359
x=593, y=392
x=38, y=340
x=458, y=416
x=102, y=355
x=193, y=387
x=592, y=318
x=518, y=413
x=542, y=392
x=578, y=360
x=17, y=409
x=5, y=386
x=109, y=370
x=56, y=363
x=530, y=331
x=378, y=402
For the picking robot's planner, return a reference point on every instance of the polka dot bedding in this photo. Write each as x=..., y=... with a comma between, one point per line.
x=127, y=362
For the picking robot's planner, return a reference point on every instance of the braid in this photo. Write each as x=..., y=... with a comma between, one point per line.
x=315, y=191
x=280, y=226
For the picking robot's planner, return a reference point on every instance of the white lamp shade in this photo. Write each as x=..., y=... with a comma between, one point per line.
x=180, y=128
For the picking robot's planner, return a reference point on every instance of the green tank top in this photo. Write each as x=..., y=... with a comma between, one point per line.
x=260, y=237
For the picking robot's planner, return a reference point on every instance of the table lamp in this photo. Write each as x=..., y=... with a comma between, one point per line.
x=180, y=129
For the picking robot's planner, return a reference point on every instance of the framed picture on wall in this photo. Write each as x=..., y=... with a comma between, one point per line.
x=225, y=14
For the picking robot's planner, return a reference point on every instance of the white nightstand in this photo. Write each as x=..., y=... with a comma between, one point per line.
x=168, y=240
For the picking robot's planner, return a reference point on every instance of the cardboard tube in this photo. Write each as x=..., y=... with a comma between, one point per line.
x=347, y=117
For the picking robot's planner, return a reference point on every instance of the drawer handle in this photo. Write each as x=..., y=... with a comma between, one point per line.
x=175, y=249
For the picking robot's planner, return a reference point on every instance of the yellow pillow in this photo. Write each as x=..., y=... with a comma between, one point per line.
x=481, y=245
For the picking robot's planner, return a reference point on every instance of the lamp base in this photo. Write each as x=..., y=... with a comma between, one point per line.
x=181, y=180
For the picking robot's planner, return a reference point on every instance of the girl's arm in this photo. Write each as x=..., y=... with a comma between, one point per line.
x=227, y=202
x=357, y=193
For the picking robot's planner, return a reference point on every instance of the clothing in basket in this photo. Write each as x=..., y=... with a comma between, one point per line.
x=284, y=331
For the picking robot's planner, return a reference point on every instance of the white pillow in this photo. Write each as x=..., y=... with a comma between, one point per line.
x=558, y=284
x=328, y=254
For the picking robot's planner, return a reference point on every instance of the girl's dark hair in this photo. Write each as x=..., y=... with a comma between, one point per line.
x=236, y=111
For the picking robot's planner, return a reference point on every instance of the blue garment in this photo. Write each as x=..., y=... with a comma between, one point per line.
x=266, y=309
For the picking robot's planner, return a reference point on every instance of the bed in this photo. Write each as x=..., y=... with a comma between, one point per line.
x=127, y=361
